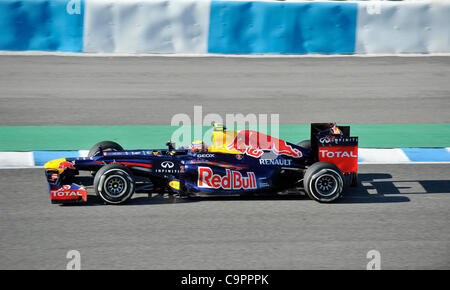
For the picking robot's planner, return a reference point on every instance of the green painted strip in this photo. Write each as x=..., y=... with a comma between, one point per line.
x=26, y=138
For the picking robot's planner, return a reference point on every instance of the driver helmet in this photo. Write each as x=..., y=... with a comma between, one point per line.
x=197, y=146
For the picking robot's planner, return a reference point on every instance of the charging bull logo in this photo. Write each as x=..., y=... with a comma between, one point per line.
x=254, y=144
x=65, y=165
x=231, y=180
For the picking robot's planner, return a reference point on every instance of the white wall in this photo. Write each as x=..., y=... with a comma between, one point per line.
x=182, y=26
x=138, y=26
x=403, y=27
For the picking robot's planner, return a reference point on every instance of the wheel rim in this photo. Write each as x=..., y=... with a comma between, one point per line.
x=115, y=186
x=326, y=185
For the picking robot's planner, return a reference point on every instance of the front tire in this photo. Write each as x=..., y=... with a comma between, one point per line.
x=104, y=146
x=323, y=182
x=114, y=184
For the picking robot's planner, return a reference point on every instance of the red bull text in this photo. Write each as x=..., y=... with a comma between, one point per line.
x=231, y=180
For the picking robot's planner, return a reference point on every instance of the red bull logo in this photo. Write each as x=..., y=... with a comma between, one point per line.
x=231, y=180
x=336, y=131
x=254, y=144
x=64, y=165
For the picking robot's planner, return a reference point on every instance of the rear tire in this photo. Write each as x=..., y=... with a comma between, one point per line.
x=323, y=182
x=104, y=146
x=114, y=184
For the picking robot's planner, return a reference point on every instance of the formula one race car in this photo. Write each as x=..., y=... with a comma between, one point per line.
x=237, y=163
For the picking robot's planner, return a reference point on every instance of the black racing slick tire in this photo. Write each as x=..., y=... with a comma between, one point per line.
x=305, y=144
x=104, y=146
x=323, y=182
x=114, y=184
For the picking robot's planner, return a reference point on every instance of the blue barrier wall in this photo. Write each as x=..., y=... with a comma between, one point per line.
x=41, y=25
x=227, y=27
x=276, y=27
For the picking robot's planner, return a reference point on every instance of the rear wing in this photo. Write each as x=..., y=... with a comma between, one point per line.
x=339, y=149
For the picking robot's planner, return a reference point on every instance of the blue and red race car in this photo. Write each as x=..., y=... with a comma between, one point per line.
x=237, y=163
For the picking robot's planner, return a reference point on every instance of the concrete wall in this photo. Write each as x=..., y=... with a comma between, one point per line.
x=228, y=27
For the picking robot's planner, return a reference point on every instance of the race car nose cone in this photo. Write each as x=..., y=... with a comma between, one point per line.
x=54, y=164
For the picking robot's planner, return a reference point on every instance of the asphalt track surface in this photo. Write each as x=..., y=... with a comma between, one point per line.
x=403, y=211
x=400, y=210
x=53, y=90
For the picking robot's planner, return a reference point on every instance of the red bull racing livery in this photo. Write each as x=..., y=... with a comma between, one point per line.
x=241, y=162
